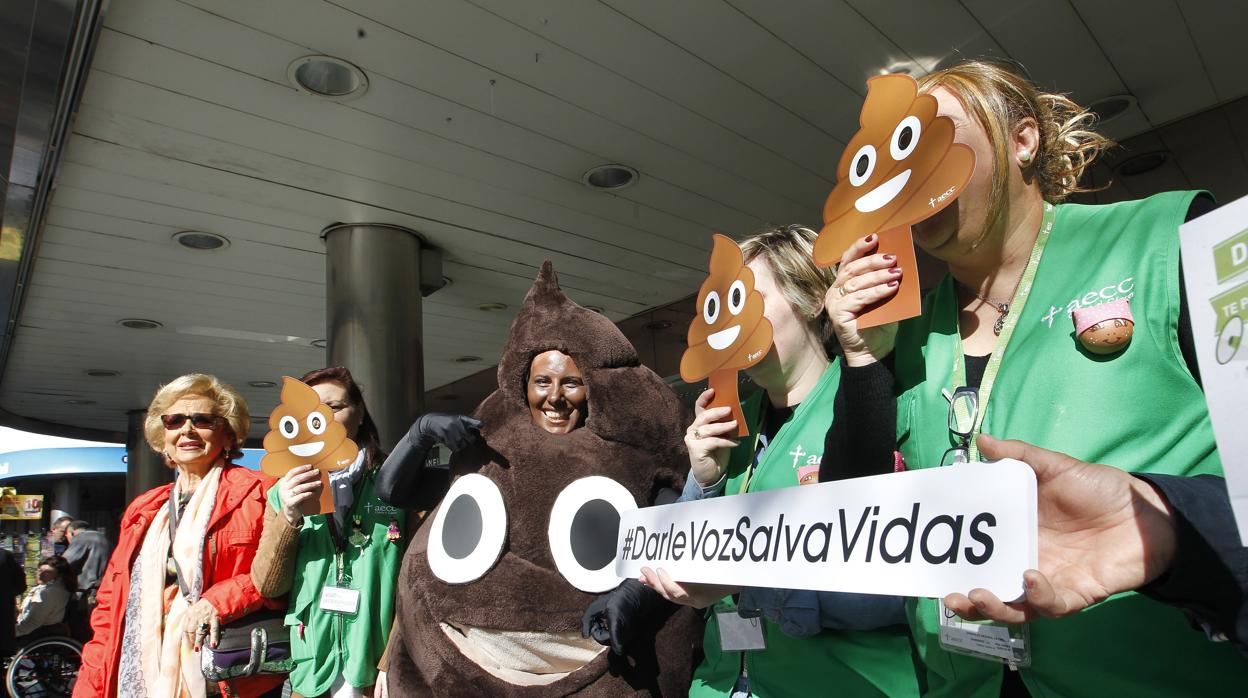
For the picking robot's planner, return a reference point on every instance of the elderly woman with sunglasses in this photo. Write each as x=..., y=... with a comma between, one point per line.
x=182, y=566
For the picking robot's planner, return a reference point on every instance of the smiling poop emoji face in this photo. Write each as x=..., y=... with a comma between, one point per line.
x=901, y=167
x=302, y=430
x=729, y=332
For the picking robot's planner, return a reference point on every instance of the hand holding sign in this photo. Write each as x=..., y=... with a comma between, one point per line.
x=729, y=333
x=303, y=431
x=900, y=168
x=1101, y=532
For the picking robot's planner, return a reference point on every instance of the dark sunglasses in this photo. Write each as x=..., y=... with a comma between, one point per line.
x=199, y=420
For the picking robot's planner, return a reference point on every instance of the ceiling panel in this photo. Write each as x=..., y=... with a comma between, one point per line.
x=834, y=36
x=1148, y=44
x=1217, y=29
x=480, y=118
x=932, y=31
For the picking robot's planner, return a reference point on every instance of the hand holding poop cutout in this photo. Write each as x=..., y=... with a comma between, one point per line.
x=1105, y=328
x=900, y=168
x=729, y=333
x=302, y=430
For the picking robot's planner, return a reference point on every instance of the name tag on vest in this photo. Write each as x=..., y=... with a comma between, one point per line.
x=340, y=600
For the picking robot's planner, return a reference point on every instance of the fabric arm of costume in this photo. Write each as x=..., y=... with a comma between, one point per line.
x=273, y=570
x=802, y=613
x=862, y=439
x=404, y=480
x=1209, y=575
x=235, y=597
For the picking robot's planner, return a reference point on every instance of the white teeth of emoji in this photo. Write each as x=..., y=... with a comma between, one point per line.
x=881, y=195
x=308, y=449
x=724, y=338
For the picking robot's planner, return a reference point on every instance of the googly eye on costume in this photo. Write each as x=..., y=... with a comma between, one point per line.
x=584, y=531
x=469, y=530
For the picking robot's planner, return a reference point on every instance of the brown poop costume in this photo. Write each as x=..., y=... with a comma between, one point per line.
x=633, y=435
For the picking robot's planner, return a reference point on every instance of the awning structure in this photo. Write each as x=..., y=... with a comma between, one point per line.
x=482, y=125
x=91, y=460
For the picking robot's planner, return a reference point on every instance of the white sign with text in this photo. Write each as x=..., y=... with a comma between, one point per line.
x=917, y=533
x=1215, y=271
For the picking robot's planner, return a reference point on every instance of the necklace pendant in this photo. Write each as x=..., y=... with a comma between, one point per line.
x=998, y=325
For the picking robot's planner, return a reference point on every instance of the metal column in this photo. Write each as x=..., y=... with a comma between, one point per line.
x=376, y=276
x=145, y=468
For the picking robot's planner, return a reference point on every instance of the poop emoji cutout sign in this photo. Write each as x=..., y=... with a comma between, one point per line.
x=303, y=431
x=729, y=332
x=900, y=168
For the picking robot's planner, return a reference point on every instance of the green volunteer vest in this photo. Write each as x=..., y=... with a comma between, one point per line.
x=325, y=644
x=1139, y=409
x=875, y=663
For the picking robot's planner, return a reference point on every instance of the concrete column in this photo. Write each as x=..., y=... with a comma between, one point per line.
x=67, y=497
x=145, y=468
x=376, y=277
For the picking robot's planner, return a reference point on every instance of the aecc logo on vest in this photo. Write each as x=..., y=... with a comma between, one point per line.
x=1105, y=294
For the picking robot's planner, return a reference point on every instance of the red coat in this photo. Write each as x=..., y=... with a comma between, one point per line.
x=229, y=547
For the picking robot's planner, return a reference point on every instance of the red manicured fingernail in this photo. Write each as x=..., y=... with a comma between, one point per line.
x=890, y=257
x=1031, y=583
x=894, y=282
x=895, y=270
x=869, y=238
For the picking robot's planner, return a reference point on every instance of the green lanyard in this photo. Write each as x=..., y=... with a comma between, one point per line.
x=1017, y=304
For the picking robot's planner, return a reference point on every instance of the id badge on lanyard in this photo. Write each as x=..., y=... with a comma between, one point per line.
x=339, y=597
x=990, y=640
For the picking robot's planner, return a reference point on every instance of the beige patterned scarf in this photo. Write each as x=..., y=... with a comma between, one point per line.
x=168, y=665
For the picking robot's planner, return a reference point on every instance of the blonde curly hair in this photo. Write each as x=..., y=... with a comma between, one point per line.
x=999, y=98
x=230, y=406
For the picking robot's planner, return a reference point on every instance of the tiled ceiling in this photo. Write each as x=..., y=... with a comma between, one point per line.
x=479, y=120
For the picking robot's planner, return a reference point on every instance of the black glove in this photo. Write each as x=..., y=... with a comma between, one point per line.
x=455, y=430
x=403, y=480
x=613, y=618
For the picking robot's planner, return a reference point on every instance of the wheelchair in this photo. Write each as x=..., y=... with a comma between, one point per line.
x=45, y=668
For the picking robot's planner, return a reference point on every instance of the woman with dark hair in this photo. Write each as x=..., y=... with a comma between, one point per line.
x=356, y=549
x=45, y=603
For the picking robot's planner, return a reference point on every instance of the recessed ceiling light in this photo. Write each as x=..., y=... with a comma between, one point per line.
x=328, y=77
x=492, y=307
x=76, y=401
x=320, y=343
x=1139, y=164
x=135, y=323
x=102, y=373
x=199, y=240
x=609, y=177
x=1111, y=107
x=658, y=325
x=262, y=384
x=466, y=359
x=594, y=308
